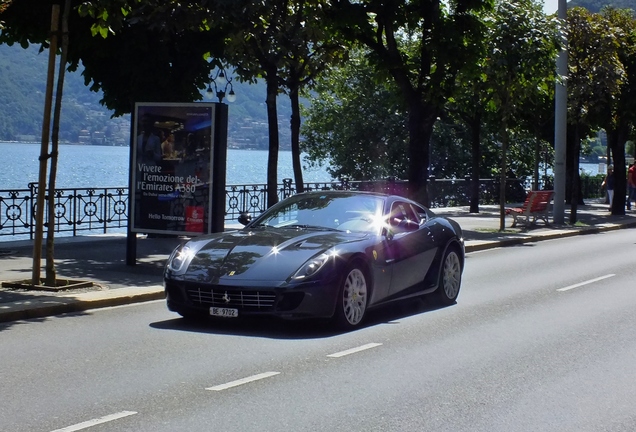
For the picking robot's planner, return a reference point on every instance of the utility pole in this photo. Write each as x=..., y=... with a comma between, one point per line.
x=560, y=122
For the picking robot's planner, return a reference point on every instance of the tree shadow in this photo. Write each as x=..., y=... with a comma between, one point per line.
x=102, y=261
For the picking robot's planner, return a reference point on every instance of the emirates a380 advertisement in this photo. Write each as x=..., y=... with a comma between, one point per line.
x=172, y=176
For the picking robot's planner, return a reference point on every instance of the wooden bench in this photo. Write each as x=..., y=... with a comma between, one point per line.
x=536, y=206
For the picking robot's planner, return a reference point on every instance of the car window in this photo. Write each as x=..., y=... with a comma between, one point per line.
x=402, y=211
x=343, y=212
x=421, y=212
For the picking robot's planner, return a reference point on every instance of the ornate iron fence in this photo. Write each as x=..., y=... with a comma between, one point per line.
x=76, y=209
x=103, y=210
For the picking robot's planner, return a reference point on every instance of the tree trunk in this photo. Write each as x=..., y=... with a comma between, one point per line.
x=616, y=140
x=537, y=157
x=272, y=123
x=421, y=121
x=295, y=140
x=44, y=149
x=50, y=237
x=502, y=176
x=475, y=127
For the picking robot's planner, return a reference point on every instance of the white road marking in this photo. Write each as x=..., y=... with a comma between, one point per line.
x=354, y=350
x=567, y=288
x=89, y=423
x=242, y=381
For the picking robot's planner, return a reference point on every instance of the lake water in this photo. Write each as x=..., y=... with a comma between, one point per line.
x=102, y=166
x=81, y=166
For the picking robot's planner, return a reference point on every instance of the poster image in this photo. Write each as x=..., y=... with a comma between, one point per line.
x=172, y=163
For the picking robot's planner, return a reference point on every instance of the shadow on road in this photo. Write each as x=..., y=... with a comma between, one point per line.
x=275, y=328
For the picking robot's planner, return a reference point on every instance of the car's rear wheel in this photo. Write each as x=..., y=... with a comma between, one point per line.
x=353, y=297
x=450, y=279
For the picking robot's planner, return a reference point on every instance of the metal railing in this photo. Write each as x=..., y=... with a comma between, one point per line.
x=104, y=210
x=76, y=209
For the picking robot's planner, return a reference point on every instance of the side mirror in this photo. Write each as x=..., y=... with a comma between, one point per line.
x=244, y=218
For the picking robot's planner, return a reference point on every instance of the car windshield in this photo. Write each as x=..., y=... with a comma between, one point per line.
x=359, y=213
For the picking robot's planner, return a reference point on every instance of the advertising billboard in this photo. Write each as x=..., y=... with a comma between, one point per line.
x=172, y=175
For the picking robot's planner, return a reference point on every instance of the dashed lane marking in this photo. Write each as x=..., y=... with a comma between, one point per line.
x=94, y=422
x=354, y=350
x=587, y=282
x=242, y=381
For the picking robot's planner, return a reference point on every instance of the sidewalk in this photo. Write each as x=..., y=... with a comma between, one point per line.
x=102, y=259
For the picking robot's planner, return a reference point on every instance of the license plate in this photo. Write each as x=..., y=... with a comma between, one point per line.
x=224, y=312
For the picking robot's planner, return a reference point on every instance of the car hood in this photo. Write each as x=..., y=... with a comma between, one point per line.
x=260, y=256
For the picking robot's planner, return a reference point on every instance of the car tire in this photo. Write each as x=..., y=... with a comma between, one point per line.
x=450, y=278
x=353, y=297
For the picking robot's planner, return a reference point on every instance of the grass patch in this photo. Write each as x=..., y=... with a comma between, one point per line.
x=580, y=224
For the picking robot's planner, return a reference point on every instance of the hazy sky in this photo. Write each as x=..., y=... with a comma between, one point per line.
x=550, y=6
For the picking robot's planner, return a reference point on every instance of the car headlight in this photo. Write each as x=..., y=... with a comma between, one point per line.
x=312, y=266
x=179, y=257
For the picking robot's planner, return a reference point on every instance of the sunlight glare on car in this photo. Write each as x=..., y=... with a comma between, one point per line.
x=378, y=221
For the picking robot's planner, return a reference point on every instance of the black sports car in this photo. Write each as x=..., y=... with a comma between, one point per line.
x=319, y=254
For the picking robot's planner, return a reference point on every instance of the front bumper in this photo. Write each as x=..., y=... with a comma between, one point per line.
x=306, y=300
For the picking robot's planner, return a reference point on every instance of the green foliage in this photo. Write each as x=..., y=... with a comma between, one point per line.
x=595, y=71
x=450, y=151
x=595, y=6
x=421, y=46
x=356, y=124
x=154, y=51
x=522, y=49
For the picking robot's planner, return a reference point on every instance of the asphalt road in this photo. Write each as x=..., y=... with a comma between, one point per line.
x=542, y=339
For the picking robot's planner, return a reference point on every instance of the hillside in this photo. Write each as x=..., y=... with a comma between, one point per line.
x=595, y=6
x=23, y=78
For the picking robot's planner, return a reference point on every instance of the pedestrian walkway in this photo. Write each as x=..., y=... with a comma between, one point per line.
x=102, y=259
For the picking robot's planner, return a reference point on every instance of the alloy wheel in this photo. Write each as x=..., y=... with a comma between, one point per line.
x=452, y=275
x=354, y=296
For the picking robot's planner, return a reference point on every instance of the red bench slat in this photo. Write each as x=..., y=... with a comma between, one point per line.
x=536, y=206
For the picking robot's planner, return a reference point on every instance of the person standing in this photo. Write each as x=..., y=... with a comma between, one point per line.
x=631, y=185
x=608, y=184
x=148, y=143
x=167, y=147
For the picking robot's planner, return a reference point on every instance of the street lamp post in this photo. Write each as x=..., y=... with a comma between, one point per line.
x=219, y=85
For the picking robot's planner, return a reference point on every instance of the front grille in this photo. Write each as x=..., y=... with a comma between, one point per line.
x=232, y=298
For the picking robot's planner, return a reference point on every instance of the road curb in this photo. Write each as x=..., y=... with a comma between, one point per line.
x=50, y=306
x=477, y=245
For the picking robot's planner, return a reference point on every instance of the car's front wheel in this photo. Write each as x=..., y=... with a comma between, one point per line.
x=352, y=297
x=450, y=279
